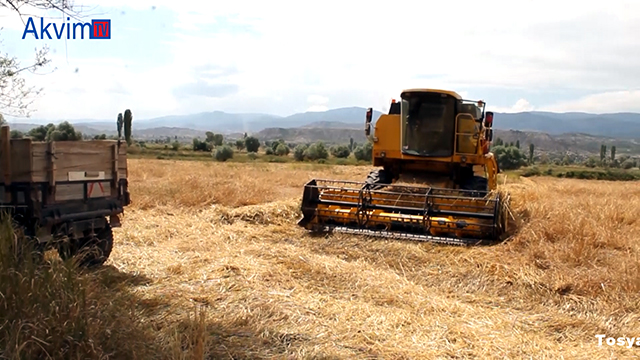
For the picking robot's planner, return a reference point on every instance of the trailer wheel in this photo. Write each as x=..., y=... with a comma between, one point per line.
x=31, y=251
x=90, y=251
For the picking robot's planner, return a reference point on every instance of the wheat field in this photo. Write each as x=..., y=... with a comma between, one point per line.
x=223, y=272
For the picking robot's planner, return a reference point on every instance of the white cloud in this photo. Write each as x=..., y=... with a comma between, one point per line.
x=608, y=102
x=317, y=99
x=364, y=54
x=317, y=108
x=521, y=105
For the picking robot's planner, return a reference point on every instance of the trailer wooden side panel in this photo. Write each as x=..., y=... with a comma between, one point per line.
x=72, y=157
x=72, y=169
x=21, y=160
x=122, y=162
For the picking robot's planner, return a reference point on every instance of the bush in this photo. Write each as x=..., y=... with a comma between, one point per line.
x=509, y=157
x=15, y=134
x=276, y=159
x=627, y=164
x=364, y=152
x=298, y=152
x=340, y=152
x=615, y=175
x=201, y=145
x=63, y=132
x=240, y=144
x=252, y=144
x=591, y=162
x=224, y=153
x=269, y=151
x=175, y=146
x=316, y=151
x=533, y=171
x=282, y=150
x=252, y=156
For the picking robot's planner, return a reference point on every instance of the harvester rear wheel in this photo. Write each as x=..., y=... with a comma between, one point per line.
x=378, y=179
x=477, y=184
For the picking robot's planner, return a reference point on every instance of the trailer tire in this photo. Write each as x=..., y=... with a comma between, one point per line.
x=31, y=251
x=90, y=251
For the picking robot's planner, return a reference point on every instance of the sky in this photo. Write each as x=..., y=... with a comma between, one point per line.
x=284, y=57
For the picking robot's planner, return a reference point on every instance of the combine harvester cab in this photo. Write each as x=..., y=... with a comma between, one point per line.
x=438, y=180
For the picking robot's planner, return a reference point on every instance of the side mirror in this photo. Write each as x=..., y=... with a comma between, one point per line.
x=488, y=119
x=367, y=124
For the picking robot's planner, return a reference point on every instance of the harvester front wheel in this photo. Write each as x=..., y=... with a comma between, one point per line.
x=477, y=184
x=377, y=179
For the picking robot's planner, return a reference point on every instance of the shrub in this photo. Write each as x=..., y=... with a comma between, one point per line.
x=240, y=144
x=591, y=162
x=364, y=152
x=340, y=151
x=533, y=171
x=175, y=146
x=63, y=132
x=224, y=153
x=217, y=139
x=509, y=157
x=252, y=144
x=316, y=151
x=275, y=159
x=15, y=134
x=627, y=164
x=269, y=151
x=298, y=152
x=282, y=149
x=201, y=145
x=40, y=133
x=252, y=156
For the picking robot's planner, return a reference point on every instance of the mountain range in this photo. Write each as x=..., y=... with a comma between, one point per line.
x=616, y=125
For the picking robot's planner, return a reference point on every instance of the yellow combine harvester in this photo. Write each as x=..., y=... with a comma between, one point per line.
x=437, y=182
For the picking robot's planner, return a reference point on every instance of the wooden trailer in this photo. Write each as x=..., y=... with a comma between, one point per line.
x=62, y=192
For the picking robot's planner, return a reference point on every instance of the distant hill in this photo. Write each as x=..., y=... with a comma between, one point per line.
x=333, y=125
x=342, y=123
x=619, y=125
x=306, y=135
x=577, y=143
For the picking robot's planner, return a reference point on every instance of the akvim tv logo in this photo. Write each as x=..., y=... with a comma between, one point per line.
x=98, y=29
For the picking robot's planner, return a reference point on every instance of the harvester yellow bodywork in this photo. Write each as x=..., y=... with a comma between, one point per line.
x=437, y=181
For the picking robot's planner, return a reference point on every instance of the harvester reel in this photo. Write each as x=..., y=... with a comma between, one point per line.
x=448, y=216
